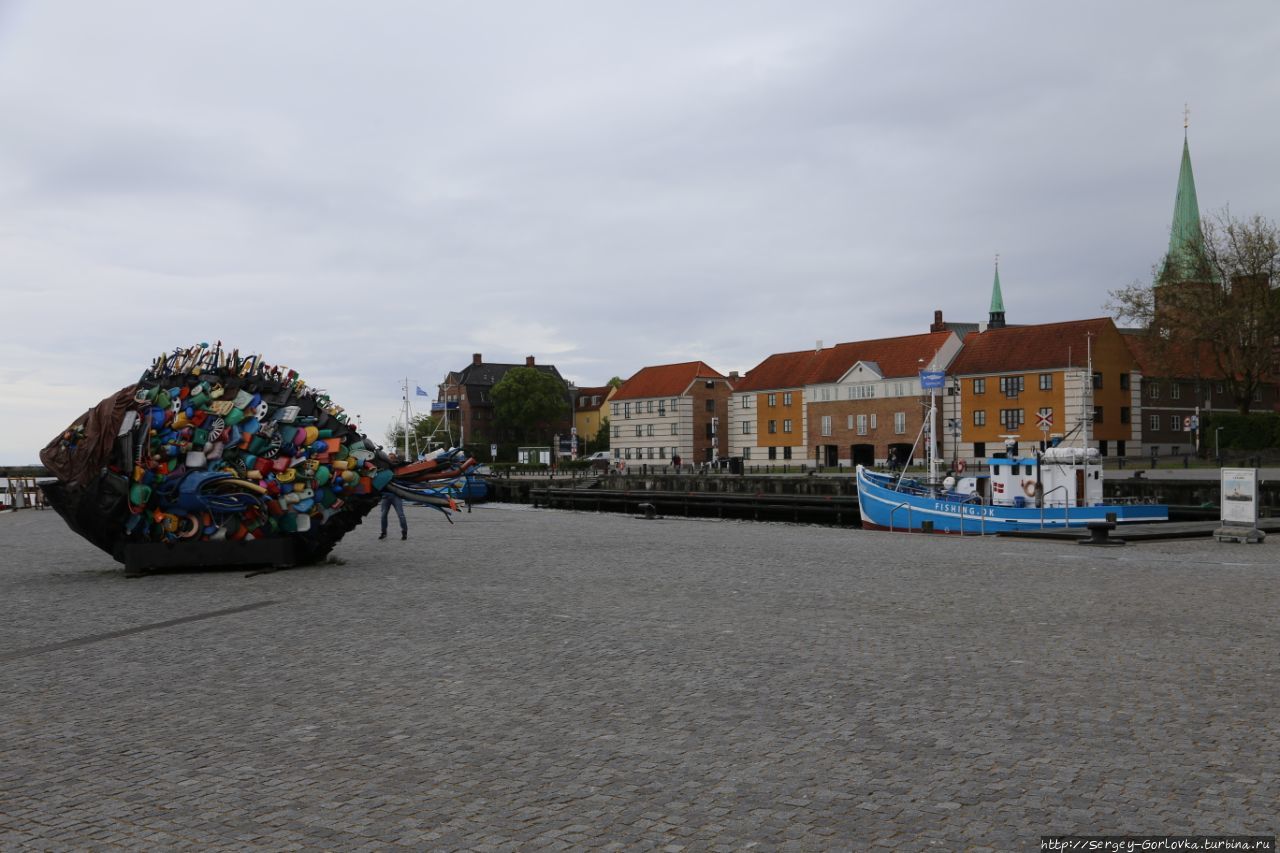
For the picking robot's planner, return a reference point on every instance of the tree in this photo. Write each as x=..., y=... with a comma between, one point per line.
x=421, y=429
x=615, y=382
x=601, y=439
x=529, y=404
x=1216, y=305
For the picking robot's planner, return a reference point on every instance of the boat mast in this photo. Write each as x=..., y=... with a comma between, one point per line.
x=406, y=456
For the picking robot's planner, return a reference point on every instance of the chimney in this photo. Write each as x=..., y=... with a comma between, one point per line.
x=938, y=325
x=528, y=361
x=817, y=345
x=733, y=376
x=476, y=358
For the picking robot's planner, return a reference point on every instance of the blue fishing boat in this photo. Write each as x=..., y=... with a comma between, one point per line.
x=1056, y=488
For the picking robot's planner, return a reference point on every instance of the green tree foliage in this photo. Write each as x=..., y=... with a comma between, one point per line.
x=601, y=440
x=1222, y=308
x=529, y=404
x=421, y=428
x=615, y=382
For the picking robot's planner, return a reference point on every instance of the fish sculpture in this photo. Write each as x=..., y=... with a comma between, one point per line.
x=212, y=447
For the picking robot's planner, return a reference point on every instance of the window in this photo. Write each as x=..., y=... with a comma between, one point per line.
x=627, y=453
x=626, y=410
x=773, y=427
x=1218, y=388
x=648, y=429
x=1175, y=423
x=746, y=401
x=746, y=427
x=1011, y=386
x=1153, y=423
x=1097, y=380
x=1175, y=391
x=873, y=420
x=773, y=400
x=675, y=429
x=1153, y=390
x=862, y=392
x=899, y=422
x=1012, y=418
x=617, y=454
x=1097, y=414
x=786, y=425
x=862, y=424
x=662, y=408
x=826, y=424
x=980, y=449
x=1046, y=381
x=1124, y=415
x=650, y=452
x=662, y=453
x=617, y=432
x=979, y=417
x=639, y=430
x=773, y=453
x=1124, y=386
x=826, y=395
x=746, y=453
x=786, y=398
x=786, y=453
x=979, y=386
x=711, y=405
x=649, y=408
x=849, y=425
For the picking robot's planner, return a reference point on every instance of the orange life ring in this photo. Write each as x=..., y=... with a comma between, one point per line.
x=959, y=466
x=1029, y=488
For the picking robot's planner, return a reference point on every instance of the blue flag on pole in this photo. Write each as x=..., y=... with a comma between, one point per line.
x=421, y=393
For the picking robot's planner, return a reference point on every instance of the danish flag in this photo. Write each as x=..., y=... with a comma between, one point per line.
x=998, y=488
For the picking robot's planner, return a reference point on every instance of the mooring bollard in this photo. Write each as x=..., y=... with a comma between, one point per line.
x=1099, y=531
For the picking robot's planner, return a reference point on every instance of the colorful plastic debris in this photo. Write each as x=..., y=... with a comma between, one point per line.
x=209, y=446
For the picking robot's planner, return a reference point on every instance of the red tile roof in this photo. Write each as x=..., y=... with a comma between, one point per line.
x=895, y=356
x=585, y=394
x=665, y=380
x=781, y=370
x=1021, y=348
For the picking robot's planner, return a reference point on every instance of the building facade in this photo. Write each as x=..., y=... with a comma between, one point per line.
x=767, y=409
x=866, y=400
x=590, y=411
x=470, y=388
x=669, y=410
x=1026, y=385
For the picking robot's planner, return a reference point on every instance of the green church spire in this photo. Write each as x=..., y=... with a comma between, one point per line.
x=1185, y=239
x=996, y=318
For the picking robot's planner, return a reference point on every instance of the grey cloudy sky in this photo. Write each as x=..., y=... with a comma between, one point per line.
x=368, y=192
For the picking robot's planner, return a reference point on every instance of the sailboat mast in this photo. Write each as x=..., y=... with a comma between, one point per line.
x=406, y=456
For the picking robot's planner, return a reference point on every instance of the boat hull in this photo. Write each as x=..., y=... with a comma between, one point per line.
x=883, y=508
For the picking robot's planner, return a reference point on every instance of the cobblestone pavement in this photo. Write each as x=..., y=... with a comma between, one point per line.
x=542, y=679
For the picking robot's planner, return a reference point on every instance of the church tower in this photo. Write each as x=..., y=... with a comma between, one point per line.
x=995, y=319
x=1186, y=242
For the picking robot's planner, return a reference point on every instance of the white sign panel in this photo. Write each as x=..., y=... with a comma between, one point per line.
x=1240, y=496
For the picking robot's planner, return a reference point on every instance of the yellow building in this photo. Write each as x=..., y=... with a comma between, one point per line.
x=1028, y=384
x=589, y=411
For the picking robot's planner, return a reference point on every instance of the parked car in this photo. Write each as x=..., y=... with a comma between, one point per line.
x=599, y=454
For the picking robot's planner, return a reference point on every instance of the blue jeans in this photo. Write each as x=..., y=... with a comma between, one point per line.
x=388, y=501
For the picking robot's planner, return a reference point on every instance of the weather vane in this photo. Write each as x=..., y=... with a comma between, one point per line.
x=1186, y=115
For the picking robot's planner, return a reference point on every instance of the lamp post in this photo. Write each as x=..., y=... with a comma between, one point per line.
x=1217, y=449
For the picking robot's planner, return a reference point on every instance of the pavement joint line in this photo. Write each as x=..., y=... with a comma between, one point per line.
x=112, y=635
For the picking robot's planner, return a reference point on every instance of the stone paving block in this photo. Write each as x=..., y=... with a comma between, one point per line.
x=552, y=680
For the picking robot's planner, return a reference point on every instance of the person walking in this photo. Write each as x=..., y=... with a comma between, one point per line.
x=390, y=500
